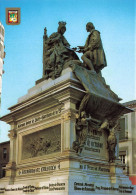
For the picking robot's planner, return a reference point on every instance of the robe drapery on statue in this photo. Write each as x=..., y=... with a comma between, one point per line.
x=94, y=50
x=61, y=51
x=57, y=52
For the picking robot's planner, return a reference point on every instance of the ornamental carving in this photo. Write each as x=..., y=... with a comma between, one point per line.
x=111, y=126
x=86, y=130
x=41, y=143
x=69, y=115
x=12, y=134
x=81, y=132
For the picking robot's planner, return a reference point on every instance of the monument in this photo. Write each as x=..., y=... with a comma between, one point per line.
x=64, y=131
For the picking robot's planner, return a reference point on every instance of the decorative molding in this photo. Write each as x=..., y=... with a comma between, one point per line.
x=12, y=134
x=46, y=141
x=38, y=118
x=68, y=115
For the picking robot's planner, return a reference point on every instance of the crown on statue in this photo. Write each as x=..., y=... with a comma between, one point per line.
x=61, y=23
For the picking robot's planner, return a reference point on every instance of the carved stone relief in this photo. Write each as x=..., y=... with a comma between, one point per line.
x=95, y=136
x=41, y=143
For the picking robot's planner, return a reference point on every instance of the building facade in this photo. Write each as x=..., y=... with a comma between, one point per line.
x=4, y=157
x=2, y=55
x=127, y=142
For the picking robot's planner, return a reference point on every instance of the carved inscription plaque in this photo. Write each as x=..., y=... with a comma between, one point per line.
x=96, y=144
x=43, y=142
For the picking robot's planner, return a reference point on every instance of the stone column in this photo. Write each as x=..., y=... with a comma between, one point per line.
x=68, y=134
x=11, y=166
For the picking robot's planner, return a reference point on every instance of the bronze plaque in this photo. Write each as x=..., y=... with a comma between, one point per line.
x=42, y=142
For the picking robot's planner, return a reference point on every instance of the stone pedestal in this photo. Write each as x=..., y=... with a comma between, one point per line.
x=42, y=158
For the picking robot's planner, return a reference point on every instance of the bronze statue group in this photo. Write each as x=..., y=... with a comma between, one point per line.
x=57, y=51
x=57, y=55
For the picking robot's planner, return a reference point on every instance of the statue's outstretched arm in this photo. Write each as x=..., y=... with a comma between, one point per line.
x=79, y=49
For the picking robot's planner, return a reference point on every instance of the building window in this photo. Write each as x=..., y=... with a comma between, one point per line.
x=123, y=134
x=123, y=158
x=3, y=172
x=4, y=153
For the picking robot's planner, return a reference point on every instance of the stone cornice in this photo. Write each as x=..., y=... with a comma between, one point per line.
x=58, y=91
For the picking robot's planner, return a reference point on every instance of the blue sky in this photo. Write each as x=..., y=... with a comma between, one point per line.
x=115, y=19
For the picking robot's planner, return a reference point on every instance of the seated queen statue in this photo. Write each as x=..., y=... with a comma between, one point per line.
x=57, y=52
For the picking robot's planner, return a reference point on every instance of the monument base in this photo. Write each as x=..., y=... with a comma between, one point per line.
x=42, y=157
x=70, y=177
